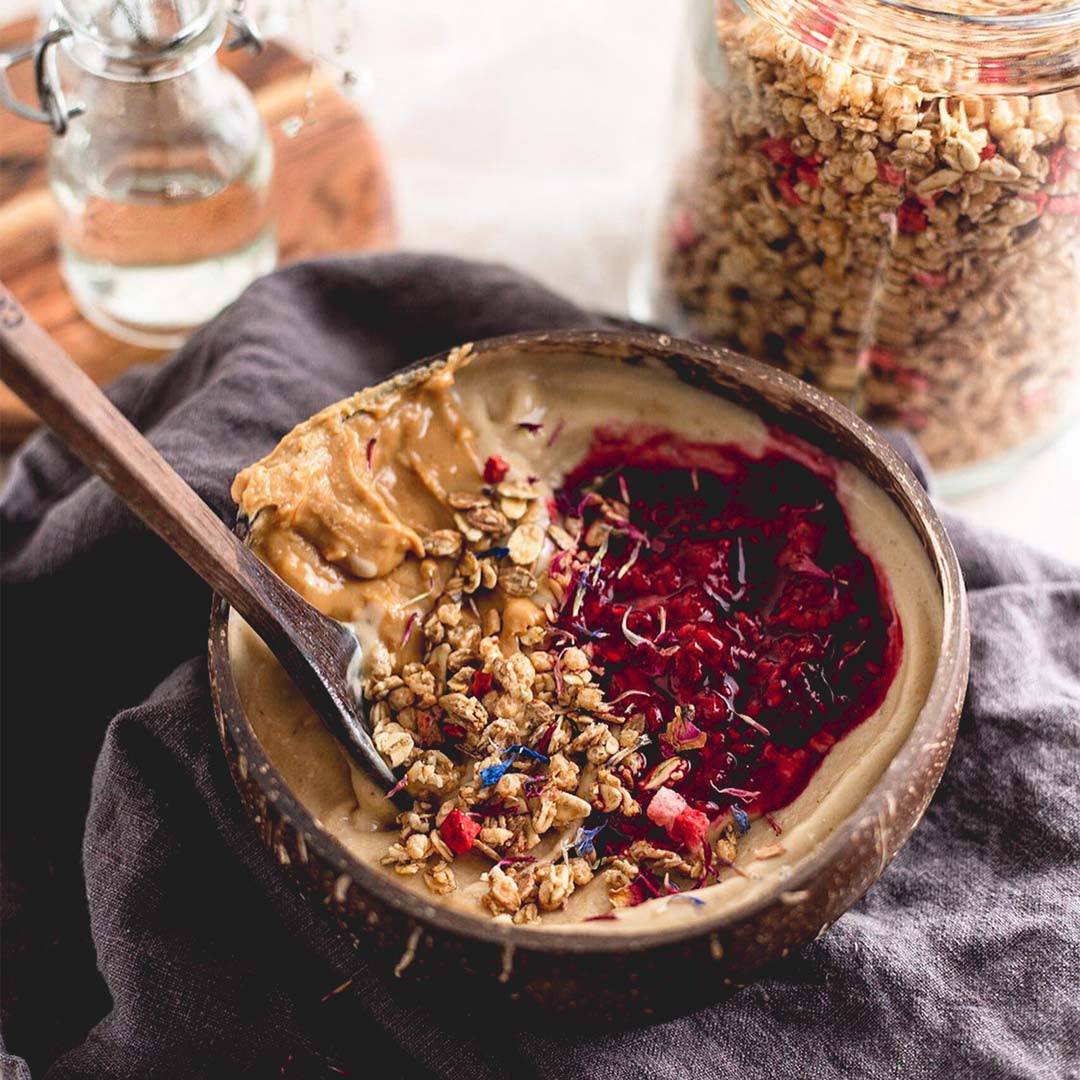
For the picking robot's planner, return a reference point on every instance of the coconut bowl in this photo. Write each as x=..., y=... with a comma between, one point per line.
x=594, y=980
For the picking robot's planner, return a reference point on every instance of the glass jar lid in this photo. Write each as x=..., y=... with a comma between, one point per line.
x=140, y=39
x=989, y=47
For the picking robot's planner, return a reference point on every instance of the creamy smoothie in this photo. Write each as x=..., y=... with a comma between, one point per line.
x=633, y=653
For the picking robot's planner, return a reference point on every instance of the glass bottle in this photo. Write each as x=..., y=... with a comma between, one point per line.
x=160, y=165
x=885, y=200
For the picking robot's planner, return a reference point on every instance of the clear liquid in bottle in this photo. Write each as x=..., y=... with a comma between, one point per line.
x=162, y=187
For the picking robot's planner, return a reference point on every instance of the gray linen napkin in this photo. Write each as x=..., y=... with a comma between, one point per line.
x=146, y=932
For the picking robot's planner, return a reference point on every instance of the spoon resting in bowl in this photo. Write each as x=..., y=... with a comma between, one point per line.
x=319, y=654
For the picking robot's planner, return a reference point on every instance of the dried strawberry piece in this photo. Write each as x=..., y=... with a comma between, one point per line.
x=665, y=807
x=459, y=831
x=779, y=152
x=891, y=174
x=683, y=234
x=988, y=151
x=427, y=728
x=877, y=357
x=690, y=829
x=495, y=469
x=481, y=684
x=1056, y=161
x=911, y=218
x=912, y=379
x=1039, y=198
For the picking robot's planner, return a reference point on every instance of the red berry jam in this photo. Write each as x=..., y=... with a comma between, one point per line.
x=733, y=590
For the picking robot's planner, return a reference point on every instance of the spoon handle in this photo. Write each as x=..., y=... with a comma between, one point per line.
x=315, y=650
x=65, y=397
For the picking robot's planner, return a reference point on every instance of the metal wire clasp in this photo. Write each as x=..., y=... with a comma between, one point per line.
x=52, y=108
x=247, y=33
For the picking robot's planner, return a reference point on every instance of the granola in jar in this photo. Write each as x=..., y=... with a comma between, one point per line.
x=616, y=633
x=887, y=204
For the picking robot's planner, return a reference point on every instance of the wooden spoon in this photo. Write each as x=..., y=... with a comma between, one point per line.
x=321, y=655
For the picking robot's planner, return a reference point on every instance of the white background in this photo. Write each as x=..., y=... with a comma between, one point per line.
x=533, y=133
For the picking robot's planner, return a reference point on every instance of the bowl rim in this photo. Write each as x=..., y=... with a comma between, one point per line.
x=936, y=719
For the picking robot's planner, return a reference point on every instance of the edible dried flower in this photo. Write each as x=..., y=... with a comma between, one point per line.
x=682, y=733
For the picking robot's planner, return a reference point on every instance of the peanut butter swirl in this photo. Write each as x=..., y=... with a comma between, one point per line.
x=342, y=501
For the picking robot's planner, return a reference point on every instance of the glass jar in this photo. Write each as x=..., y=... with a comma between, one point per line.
x=160, y=164
x=885, y=200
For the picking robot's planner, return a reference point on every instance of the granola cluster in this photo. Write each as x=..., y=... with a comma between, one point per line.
x=916, y=256
x=502, y=729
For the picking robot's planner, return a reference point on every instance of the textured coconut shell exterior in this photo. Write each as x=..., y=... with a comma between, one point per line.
x=594, y=980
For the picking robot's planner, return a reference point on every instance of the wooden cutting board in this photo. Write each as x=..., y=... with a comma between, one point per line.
x=330, y=193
